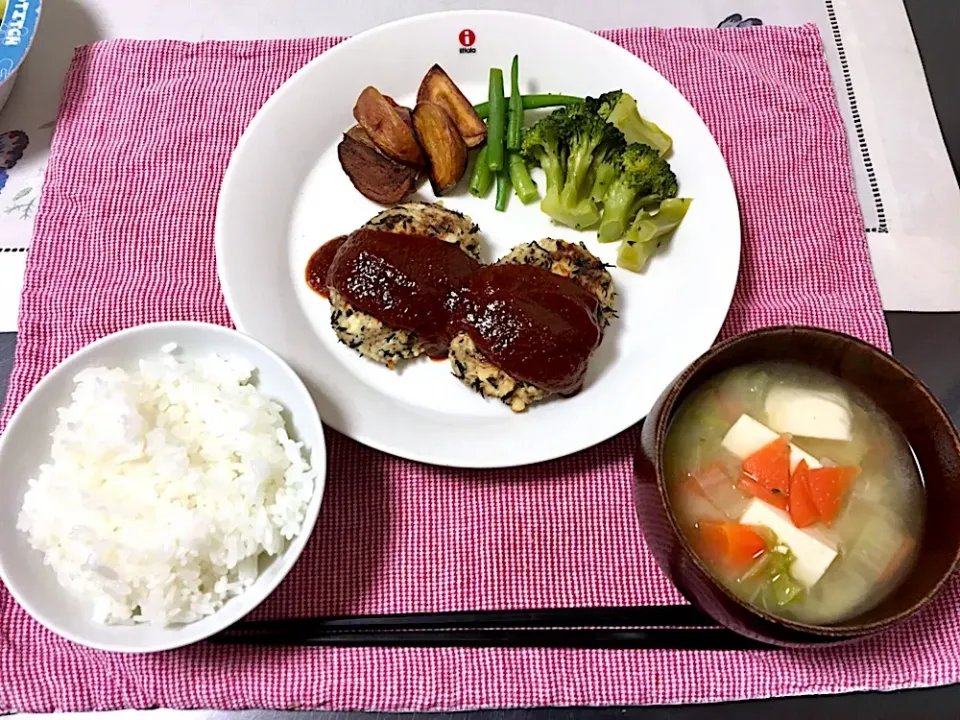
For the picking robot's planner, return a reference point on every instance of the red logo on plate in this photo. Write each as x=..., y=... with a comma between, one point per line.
x=467, y=37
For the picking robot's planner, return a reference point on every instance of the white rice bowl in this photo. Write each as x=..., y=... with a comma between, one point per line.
x=165, y=487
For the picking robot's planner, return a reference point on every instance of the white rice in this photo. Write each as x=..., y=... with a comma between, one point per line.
x=165, y=487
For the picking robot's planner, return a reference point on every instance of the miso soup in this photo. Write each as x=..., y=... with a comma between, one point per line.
x=796, y=490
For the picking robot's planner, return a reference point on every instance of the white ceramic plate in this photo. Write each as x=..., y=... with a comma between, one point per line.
x=25, y=444
x=284, y=194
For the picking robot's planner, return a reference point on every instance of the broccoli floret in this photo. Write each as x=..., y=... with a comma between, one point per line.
x=589, y=144
x=606, y=167
x=644, y=178
x=604, y=104
x=565, y=144
x=620, y=108
x=590, y=140
x=602, y=177
x=649, y=231
x=544, y=144
x=582, y=216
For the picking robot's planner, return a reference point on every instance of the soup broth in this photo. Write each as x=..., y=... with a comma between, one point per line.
x=796, y=490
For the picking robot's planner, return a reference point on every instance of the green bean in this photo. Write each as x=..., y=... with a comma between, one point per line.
x=503, y=189
x=520, y=177
x=515, y=122
x=496, y=125
x=482, y=177
x=533, y=102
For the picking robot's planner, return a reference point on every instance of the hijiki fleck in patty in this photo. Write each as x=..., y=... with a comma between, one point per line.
x=561, y=258
x=363, y=332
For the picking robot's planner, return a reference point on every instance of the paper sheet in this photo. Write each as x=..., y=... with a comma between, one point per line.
x=917, y=259
x=907, y=189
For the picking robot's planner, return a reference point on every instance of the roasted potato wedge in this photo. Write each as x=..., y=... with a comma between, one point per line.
x=385, y=126
x=360, y=135
x=441, y=142
x=406, y=114
x=373, y=174
x=437, y=87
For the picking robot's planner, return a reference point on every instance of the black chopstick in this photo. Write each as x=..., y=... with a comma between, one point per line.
x=599, y=639
x=676, y=627
x=593, y=617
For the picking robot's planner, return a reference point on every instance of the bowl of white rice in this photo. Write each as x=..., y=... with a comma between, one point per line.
x=157, y=485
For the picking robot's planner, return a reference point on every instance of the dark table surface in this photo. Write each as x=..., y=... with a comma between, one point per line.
x=927, y=343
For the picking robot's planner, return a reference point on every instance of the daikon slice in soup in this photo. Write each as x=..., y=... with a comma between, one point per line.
x=798, y=493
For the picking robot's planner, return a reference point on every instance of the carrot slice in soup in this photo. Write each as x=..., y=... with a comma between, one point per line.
x=752, y=488
x=770, y=466
x=803, y=511
x=828, y=486
x=734, y=545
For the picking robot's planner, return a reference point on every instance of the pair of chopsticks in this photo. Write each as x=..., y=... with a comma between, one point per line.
x=666, y=627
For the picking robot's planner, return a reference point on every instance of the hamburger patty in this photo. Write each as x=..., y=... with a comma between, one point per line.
x=561, y=258
x=363, y=332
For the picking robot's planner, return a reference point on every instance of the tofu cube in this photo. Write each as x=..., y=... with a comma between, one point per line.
x=748, y=435
x=813, y=550
x=821, y=414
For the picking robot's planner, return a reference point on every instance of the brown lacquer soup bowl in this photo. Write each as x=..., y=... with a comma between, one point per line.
x=899, y=393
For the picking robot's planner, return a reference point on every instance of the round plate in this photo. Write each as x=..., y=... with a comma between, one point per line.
x=284, y=194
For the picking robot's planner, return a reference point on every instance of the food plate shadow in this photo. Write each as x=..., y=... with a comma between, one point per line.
x=342, y=560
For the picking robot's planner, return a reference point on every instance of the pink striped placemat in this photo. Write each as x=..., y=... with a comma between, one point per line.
x=125, y=236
